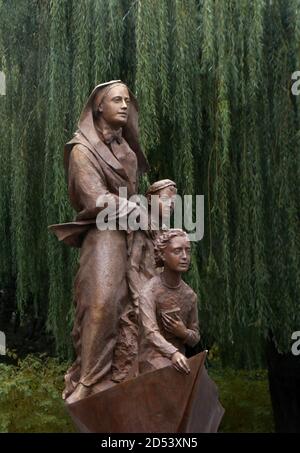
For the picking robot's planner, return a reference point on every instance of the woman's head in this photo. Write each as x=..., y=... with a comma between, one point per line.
x=112, y=104
x=173, y=250
x=112, y=97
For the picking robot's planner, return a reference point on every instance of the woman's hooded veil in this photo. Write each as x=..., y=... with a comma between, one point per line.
x=87, y=134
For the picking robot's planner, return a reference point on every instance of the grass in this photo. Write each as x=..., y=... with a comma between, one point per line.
x=30, y=396
x=246, y=399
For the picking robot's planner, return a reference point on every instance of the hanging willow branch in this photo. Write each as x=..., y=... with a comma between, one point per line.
x=55, y=193
x=213, y=81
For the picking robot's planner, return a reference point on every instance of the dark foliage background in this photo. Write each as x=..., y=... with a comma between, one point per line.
x=213, y=80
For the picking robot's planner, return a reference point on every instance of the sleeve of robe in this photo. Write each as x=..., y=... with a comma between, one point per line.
x=150, y=329
x=87, y=183
x=134, y=279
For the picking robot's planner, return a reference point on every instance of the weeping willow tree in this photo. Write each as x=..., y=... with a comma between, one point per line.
x=213, y=80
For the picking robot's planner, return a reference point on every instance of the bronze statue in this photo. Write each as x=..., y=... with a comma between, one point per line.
x=168, y=308
x=103, y=156
x=141, y=268
x=112, y=288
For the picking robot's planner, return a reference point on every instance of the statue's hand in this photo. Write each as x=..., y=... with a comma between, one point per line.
x=174, y=325
x=180, y=363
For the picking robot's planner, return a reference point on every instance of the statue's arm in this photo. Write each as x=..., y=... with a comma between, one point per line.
x=133, y=270
x=85, y=182
x=88, y=189
x=150, y=329
x=193, y=335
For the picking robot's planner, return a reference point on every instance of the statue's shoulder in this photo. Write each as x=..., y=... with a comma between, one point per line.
x=78, y=142
x=80, y=152
x=79, y=155
x=79, y=149
x=189, y=292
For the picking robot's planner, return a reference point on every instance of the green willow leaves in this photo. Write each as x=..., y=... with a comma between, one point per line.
x=213, y=80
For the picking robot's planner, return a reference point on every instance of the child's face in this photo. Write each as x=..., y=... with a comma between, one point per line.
x=165, y=199
x=177, y=254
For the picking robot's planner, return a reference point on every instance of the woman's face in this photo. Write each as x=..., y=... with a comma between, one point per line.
x=115, y=106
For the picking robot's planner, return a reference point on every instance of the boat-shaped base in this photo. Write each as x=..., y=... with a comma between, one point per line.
x=163, y=401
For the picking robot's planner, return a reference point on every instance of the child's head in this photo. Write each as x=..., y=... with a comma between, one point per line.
x=163, y=193
x=173, y=250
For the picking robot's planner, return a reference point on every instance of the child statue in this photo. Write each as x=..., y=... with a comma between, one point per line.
x=168, y=308
x=141, y=268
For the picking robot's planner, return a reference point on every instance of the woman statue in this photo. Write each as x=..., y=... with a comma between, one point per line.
x=103, y=157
